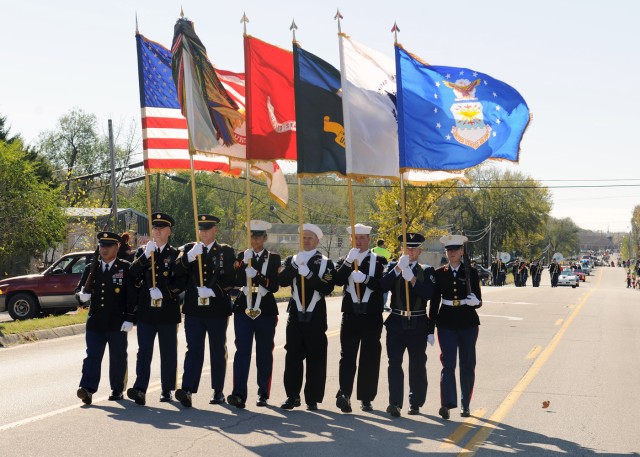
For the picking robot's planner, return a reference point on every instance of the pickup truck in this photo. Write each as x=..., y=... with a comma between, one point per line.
x=52, y=291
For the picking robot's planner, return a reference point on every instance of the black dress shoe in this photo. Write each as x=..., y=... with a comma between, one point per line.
x=217, y=399
x=84, y=395
x=165, y=397
x=137, y=395
x=184, y=397
x=236, y=401
x=312, y=406
x=394, y=410
x=290, y=403
x=343, y=402
x=465, y=412
x=444, y=412
x=366, y=406
x=262, y=401
x=116, y=395
x=414, y=410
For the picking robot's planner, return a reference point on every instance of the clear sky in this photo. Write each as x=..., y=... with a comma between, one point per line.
x=574, y=61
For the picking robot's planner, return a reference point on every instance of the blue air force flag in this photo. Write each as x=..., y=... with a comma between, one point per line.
x=454, y=118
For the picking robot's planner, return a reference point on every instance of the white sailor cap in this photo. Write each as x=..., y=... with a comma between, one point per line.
x=453, y=240
x=313, y=228
x=257, y=227
x=361, y=229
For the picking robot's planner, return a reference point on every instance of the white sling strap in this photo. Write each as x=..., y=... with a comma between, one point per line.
x=367, y=293
x=316, y=295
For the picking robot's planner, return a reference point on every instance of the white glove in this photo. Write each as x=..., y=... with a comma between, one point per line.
x=407, y=274
x=83, y=296
x=431, y=339
x=151, y=247
x=403, y=262
x=472, y=300
x=303, y=270
x=248, y=255
x=204, y=292
x=353, y=255
x=155, y=293
x=358, y=276
x=195, y=251
x=126, y=326
x=300, y=258
x=251, y=272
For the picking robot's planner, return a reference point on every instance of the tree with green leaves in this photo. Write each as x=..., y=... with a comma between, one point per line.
x=562, y=235
x=32, y=220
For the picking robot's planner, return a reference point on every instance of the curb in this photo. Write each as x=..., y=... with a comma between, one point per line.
x=37, y=335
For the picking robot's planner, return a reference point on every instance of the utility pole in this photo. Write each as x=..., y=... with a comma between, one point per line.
x=489, y=256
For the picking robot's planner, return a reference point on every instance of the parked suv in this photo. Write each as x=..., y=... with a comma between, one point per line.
x=51, y=291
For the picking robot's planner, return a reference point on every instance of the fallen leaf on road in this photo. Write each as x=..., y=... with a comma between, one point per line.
x=546, y=403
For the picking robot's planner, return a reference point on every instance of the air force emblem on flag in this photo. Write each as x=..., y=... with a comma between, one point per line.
x=470, y=128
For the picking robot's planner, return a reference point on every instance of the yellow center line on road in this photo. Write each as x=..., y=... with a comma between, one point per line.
x=534, y=352
x=507, y=404
x=462, y=430
x=559, y=321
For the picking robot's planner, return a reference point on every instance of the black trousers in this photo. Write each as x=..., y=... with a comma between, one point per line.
x=360, y=332
x=306, y=341
x=168, y=343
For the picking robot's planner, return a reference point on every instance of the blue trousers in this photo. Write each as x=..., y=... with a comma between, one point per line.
x=264, y=330
x=91, y=366
x=454, y=342
x=196, y=329
x=414, y=341
x=168, y=343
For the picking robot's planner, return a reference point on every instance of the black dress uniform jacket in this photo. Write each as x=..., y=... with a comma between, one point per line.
x=169, y=312
x=113, y=299
x=419, y=293
x=450, y=288
x=218, y=274
x=324, y=284
x=269, y=281
x=375, y=303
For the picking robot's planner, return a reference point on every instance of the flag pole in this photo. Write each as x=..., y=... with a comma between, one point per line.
x=302, y=293
x=395, y=31
x=153, y=254
x=194, y=198
x=293, y=29
x=249, y=281
x=337, y=18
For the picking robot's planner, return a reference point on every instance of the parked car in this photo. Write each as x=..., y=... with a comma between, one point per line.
x=52, y=291
x=484, y=274
x=567, y=278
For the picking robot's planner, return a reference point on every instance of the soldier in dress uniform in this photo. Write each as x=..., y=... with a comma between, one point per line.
x=306, y=337
x=258, y=318
x=106, y=285
x=158, y=310
x=361, y=326
x=535, y=270
x=408, y=327
x=554, y=272
x=453, y=310
x=207, y=307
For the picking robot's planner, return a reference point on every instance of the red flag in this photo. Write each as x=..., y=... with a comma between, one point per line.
x=271, y=113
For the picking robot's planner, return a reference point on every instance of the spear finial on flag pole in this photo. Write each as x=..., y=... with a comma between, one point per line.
x=293, y=29
x=337, y=17
x=137, y=32
x=395, y=31
x=244, y=22
x=181, y=11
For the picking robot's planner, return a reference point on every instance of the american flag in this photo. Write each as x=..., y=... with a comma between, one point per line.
x=165, y=140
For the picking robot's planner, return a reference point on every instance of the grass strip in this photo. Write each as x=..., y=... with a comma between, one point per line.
x=43, y=323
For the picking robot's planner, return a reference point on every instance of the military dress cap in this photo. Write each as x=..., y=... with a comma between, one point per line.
x=313, y=228
x=453, y=241
x=360, y=229
x=162, y=220
x=414, y=240
x=108, y=238
x=257, y=227
x=207, y=221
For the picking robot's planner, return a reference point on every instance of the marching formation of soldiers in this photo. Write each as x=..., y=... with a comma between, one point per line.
x=146, y=292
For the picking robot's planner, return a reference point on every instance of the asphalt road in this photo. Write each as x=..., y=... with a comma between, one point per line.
x=577, y=349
